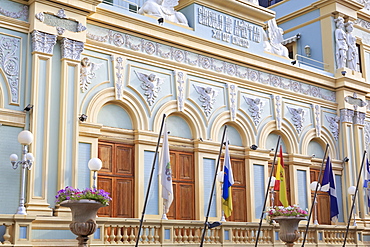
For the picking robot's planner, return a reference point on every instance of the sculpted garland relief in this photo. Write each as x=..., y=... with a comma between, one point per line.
x=180, y=90
x=119, y=76
x=233, y=92
x=255, y=108
x=297, y=117
x=334, y=125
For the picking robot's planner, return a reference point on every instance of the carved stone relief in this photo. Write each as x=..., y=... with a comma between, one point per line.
x=119, y=76
x=297, y=117
x=317, y=112
x=359, y=118
x=151, y=85
x=15, y=15
x=334, y=125
x=71, y=49
x=185, y=57
x=180, y=89
x=233, y=92
x=60, y=22
x=43, y=42
x=346, y=115
x=207, y=96
x=87, y=72
x=277, y=99
x=9, y=61
x=355, y=101
x=255, y=108
x=367, y=133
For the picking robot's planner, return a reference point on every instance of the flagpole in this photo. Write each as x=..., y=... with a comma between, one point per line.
x=150, y=182
x=267, y=190
x=354, y=197
x=314, y=195
x=213, y=188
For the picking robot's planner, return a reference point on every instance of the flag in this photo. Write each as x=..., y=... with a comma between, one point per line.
x=367, y=182
x=166, y=173
x=280, y=183
x=328, y=184
x=227, y=202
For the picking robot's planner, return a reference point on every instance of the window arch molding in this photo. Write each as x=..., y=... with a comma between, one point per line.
x=325, y=138
x=286, y=134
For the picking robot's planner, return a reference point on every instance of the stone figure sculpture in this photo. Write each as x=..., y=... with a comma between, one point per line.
x=164, y=9
x=87, y=73
x=275, y=34
x=151, y=85
x=207, y=96
x=341, y=46
x=352, y=54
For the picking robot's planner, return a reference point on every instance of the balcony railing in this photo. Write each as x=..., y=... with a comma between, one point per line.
x=122, y=232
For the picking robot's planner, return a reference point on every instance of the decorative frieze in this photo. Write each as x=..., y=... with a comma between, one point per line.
x=87, y=72
x=43, y=42
x=333, y=125
x=297, y=117
x=208, y=63
x=15, y=15
x=363, y=23
x=151, y=85
x=346, y=115
x=9, y=61
x=233, y=96
x=207, y=96
x=119, y=75
x=71, y=49
x=255, y=108
x=180, y=89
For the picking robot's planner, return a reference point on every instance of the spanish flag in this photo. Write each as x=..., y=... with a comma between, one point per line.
x=280, y=183
x=227, y=201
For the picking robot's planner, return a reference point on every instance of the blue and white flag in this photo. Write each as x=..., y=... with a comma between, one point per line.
x=367, y=182
x=328, y=184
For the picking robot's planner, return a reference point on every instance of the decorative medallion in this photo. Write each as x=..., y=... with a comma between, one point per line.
x=207, y=96
x=334, y=125
x=297, y=117
x=255, y=108
x=87, y=72
x=151, y=85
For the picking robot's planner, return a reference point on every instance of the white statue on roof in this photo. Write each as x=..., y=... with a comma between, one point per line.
x=163, y=9
x=275, y=35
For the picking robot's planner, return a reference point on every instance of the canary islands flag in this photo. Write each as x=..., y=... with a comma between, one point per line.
x=280, y=182
x=227, y=202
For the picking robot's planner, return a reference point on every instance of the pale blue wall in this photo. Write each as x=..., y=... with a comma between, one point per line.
x=83, y=173
x=114, y=116
x=288, y=7
x=338, y=187
x=271, y=142
x=155, y=189
x=316, y=149
x=9, y=178
x=232, y=135
x=259, y=189
x=302, y=189
x=209, y=166
x=177, y=126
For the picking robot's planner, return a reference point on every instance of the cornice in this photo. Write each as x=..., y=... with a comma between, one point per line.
x=86, y=6
x=237, y=8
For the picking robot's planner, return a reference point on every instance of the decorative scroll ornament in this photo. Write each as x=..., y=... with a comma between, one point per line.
x=334, y=125
x=151, y=85
x=207, y=97
x=232, y=93
x=180, y=88
x=317, y=110
x=278, y=111
x=255, y=108
x=9, y=61
x=119, y=74
x=297, y=117
x=71, y=49
x=60, y=30
x=15, y=15
x=87, y=73
x=40, y=16
x=80, y=27
x=43, y=42
x=355, y=101
x=61, y=14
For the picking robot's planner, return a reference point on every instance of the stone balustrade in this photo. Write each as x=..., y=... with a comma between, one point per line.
x=17, y=231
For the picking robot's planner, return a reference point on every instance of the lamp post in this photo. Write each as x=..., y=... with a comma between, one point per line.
x=272, y=191
x=313, y=186
x=25, y=138
x=95, y=165
x=352, y=191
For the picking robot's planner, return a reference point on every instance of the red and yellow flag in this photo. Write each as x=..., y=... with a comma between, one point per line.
x=280, y=183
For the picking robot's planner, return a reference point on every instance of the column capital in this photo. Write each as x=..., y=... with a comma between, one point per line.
x=71, y=49
x=43, y=42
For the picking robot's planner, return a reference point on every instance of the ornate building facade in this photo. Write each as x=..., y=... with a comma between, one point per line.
x=100, y=75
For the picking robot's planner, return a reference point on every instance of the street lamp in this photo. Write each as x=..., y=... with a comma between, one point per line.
x=313, y=187
x=25, y=138
x=352, y=191
x=95, y=165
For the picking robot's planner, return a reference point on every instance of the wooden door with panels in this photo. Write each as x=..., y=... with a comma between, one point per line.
x=323, y=200
x=238, y=191
x=117, y=178
x=183, y=182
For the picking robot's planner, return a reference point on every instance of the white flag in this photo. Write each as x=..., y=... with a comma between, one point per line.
x=166, y=173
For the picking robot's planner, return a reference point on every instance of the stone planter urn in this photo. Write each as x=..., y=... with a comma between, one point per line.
x=288, y=228
x=83, y=218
